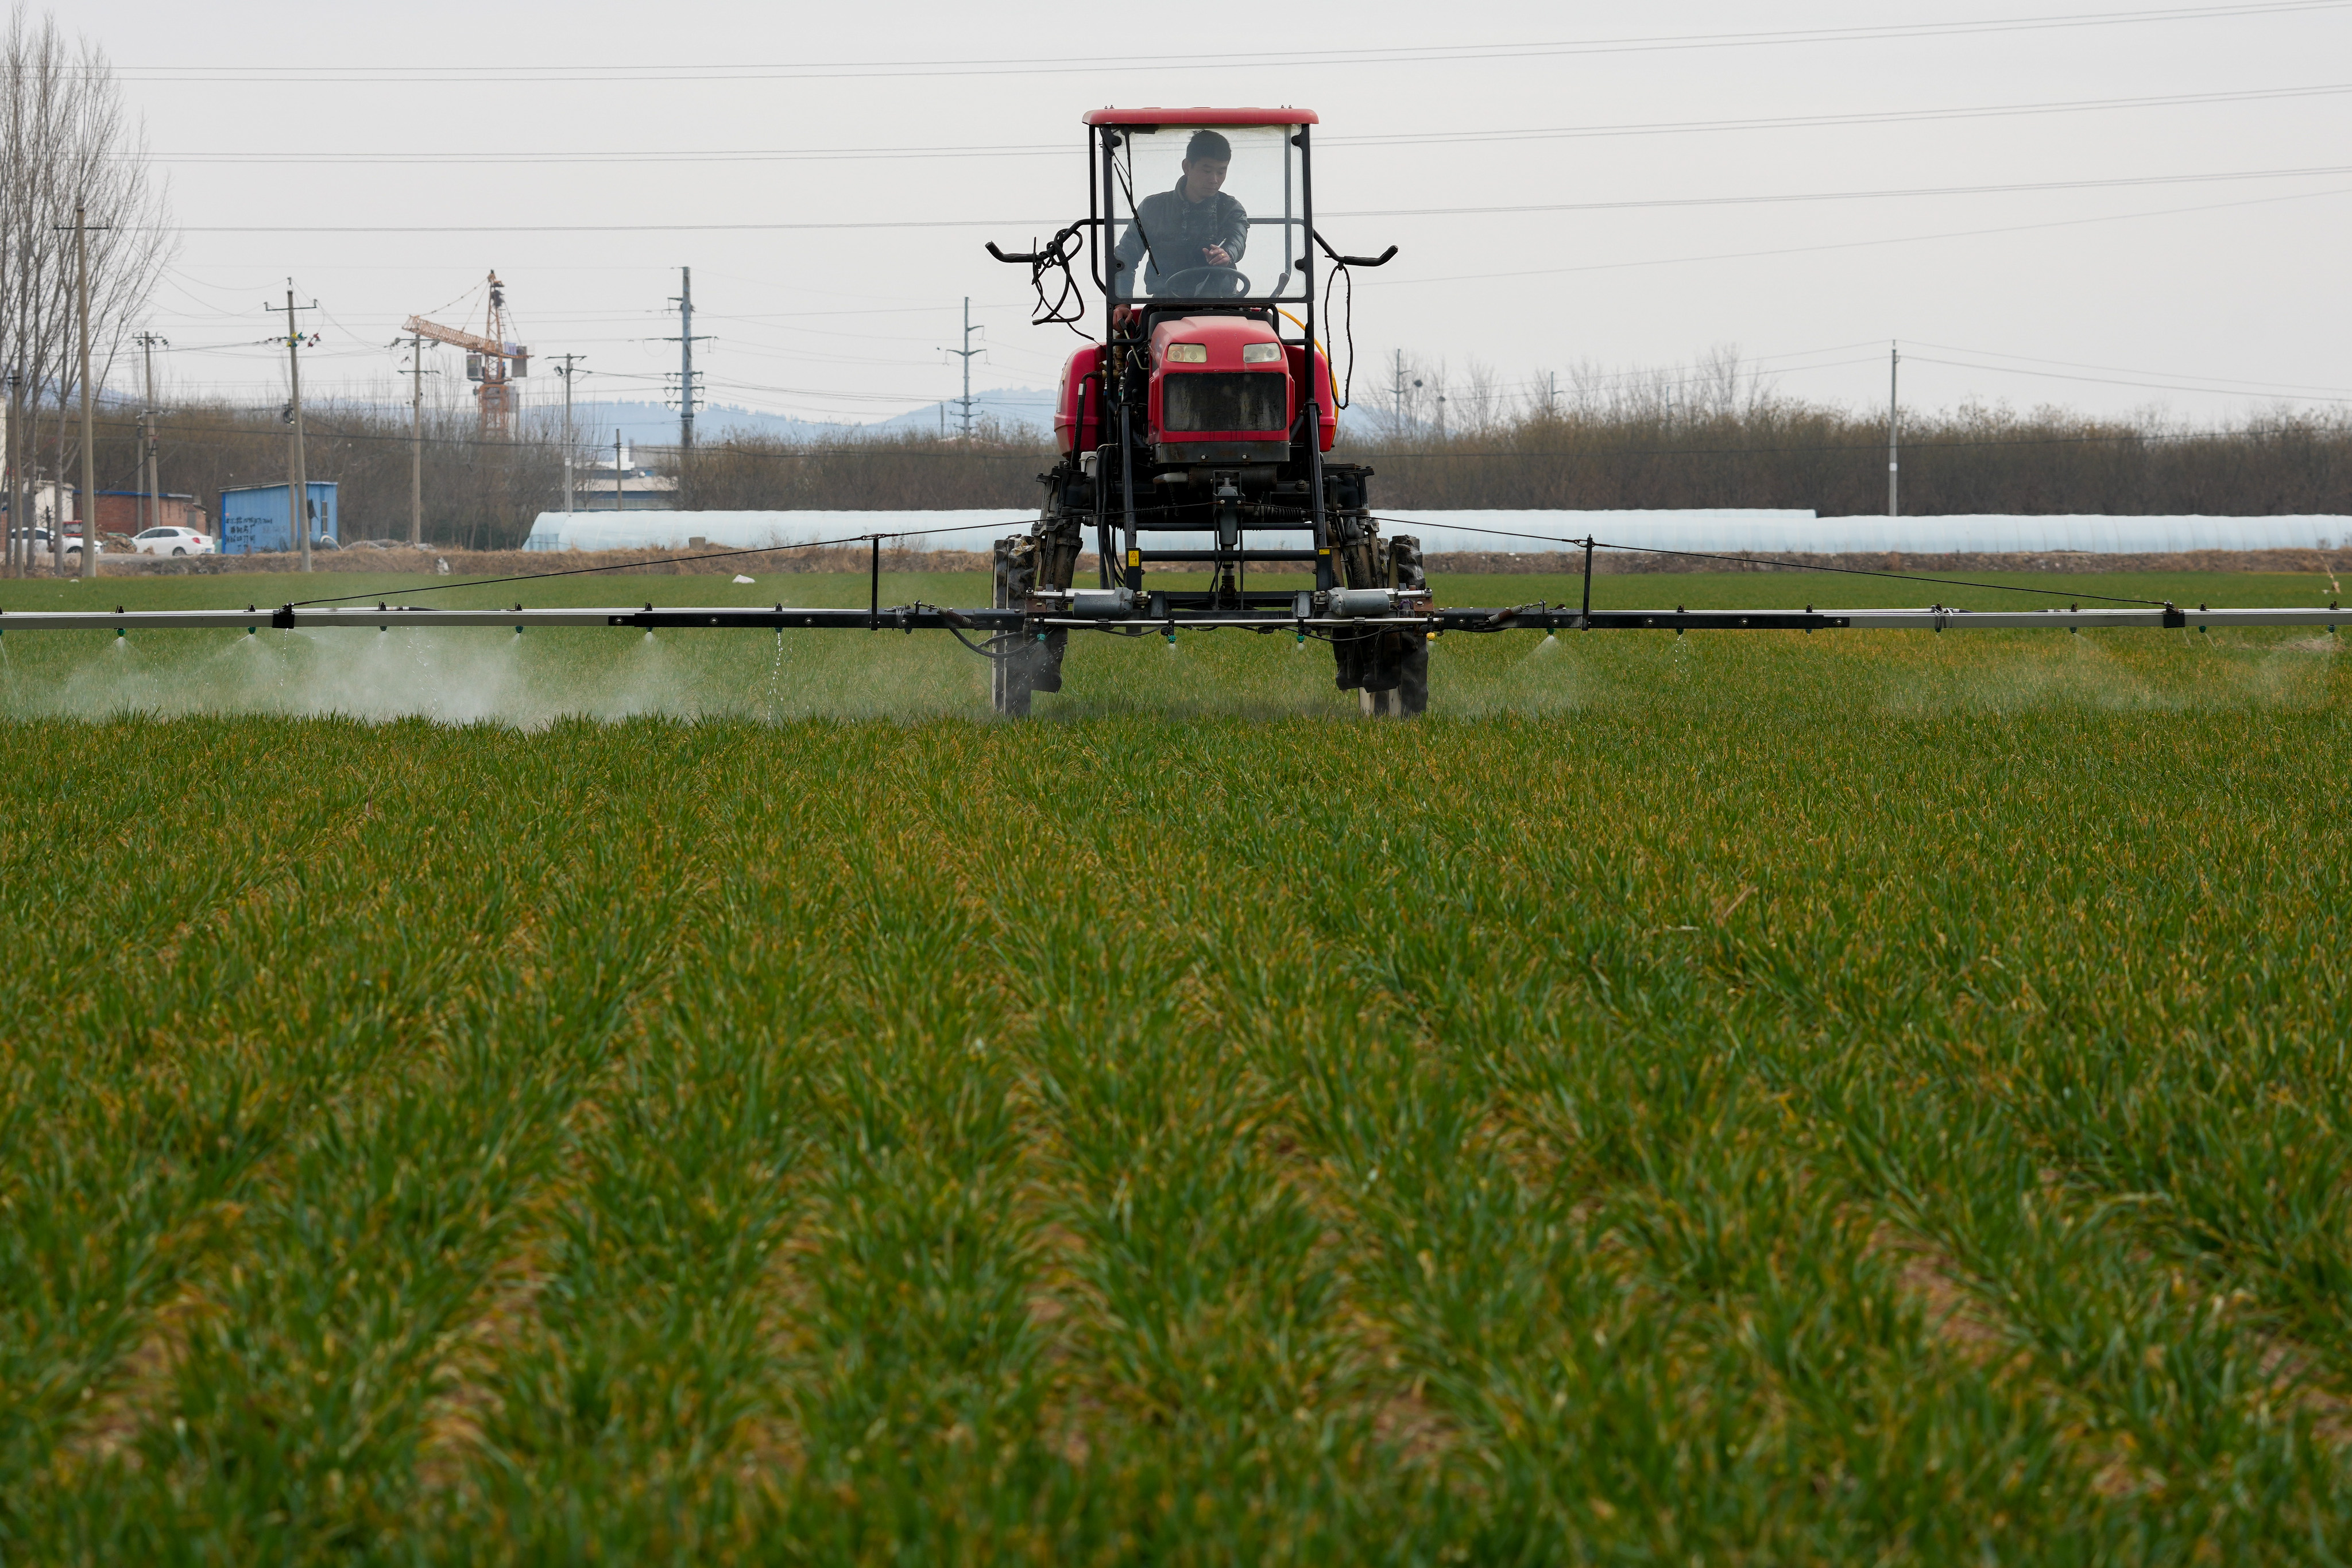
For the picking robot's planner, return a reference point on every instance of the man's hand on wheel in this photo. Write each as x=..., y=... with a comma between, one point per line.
x=1215, y=256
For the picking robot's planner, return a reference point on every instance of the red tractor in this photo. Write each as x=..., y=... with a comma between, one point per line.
x=1193, y=431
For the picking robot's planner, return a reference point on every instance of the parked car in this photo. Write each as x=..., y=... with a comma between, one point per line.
x=42, y=543
x=171, y=540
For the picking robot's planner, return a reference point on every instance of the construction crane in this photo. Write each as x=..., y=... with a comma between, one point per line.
x=491, y=360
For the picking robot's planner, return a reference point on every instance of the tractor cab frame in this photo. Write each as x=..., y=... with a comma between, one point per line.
x=1194, y=428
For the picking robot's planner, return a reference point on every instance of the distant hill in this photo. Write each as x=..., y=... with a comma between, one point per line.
x=1027, y=407
x=652, y=424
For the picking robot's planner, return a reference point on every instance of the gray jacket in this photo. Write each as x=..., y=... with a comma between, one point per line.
x=1177, y=231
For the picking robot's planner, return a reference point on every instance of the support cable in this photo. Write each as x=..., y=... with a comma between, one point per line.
x=1789, y=565
x=658, y=561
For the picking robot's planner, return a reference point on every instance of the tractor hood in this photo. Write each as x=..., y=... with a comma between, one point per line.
x=1221, y=342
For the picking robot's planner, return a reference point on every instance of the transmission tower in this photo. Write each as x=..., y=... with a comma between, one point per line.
x=964, y=403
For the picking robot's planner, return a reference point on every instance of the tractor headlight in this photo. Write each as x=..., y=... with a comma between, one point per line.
x=1186, y=354
x=1261, y=353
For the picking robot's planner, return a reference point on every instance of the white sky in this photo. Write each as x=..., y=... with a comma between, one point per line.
x=2226, y=293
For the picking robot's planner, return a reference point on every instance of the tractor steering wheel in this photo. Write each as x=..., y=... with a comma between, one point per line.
x=1239, y=279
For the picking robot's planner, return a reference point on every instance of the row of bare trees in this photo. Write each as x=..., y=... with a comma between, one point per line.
x=480, y=493
x=70, y=150
x=477, y=494
x=1410, y=396
x=1716, y=434
x=1759, y=452
x=1718, y=442
x=1679, y=440
x=903, y=470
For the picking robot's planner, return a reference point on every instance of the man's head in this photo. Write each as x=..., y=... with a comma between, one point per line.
x=1206, y=157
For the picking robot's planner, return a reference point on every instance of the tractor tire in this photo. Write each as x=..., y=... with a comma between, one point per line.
x=1011, y=688
x=1409, y=697
x=1010, y=679
x=1042, y=558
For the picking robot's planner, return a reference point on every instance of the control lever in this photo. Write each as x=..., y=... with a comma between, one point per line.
x=1381, y=260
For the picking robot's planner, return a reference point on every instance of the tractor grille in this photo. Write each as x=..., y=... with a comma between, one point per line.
x=1220, y=401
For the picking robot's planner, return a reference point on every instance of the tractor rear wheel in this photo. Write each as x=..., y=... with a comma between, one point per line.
x=1011, y=677
x=1410, y=696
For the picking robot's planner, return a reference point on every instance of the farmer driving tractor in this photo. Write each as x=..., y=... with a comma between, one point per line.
x=1189, y=232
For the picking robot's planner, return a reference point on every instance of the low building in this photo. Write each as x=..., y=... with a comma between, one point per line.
x=254, y=518
x=622, y=484
x=45, y=502
x=129, y=511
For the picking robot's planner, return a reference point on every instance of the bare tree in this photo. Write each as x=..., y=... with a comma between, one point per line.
x=1482, y=404
x=68, y=143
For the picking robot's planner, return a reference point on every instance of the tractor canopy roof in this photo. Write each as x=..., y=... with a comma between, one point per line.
x=1201, y=117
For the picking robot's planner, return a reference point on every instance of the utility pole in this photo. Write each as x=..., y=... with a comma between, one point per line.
x=686, y=340
x=16, y=488
x=89, y=405
x=567, y=373
x=966, y=352
x=20, y=532
x=1894, y=425
x=417, y=441
x=20, y=495
x=685, y=361
x=298, y=485
x=616, y=470
x=151, y=503
x=1551, y=397
x=1396, y=394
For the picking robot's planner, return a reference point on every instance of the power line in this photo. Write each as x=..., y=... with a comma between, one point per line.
x=2325, y=170
x=1819, y=121
x=590, y=228
x=852, y=70
x=2113, y=381
x=1851, y=244
x=1771, y=365
x=2266, y=387
x=2330, y=171
x=1399, y=138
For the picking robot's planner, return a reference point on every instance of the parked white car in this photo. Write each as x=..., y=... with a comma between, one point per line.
x=171, y=542
x=42, y=544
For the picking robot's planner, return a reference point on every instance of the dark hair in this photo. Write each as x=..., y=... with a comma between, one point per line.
x=1208, y=145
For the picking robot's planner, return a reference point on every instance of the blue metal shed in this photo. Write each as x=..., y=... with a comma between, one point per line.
x=253, y=517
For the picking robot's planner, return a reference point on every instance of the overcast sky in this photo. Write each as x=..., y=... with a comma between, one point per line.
x=1610, y=185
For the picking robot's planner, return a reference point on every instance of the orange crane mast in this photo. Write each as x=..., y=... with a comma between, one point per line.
x=491, y=361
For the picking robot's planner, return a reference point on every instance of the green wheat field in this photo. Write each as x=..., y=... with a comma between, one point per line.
x=580, y=1097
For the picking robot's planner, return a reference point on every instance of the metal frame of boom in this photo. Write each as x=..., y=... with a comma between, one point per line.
x=919, y=617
